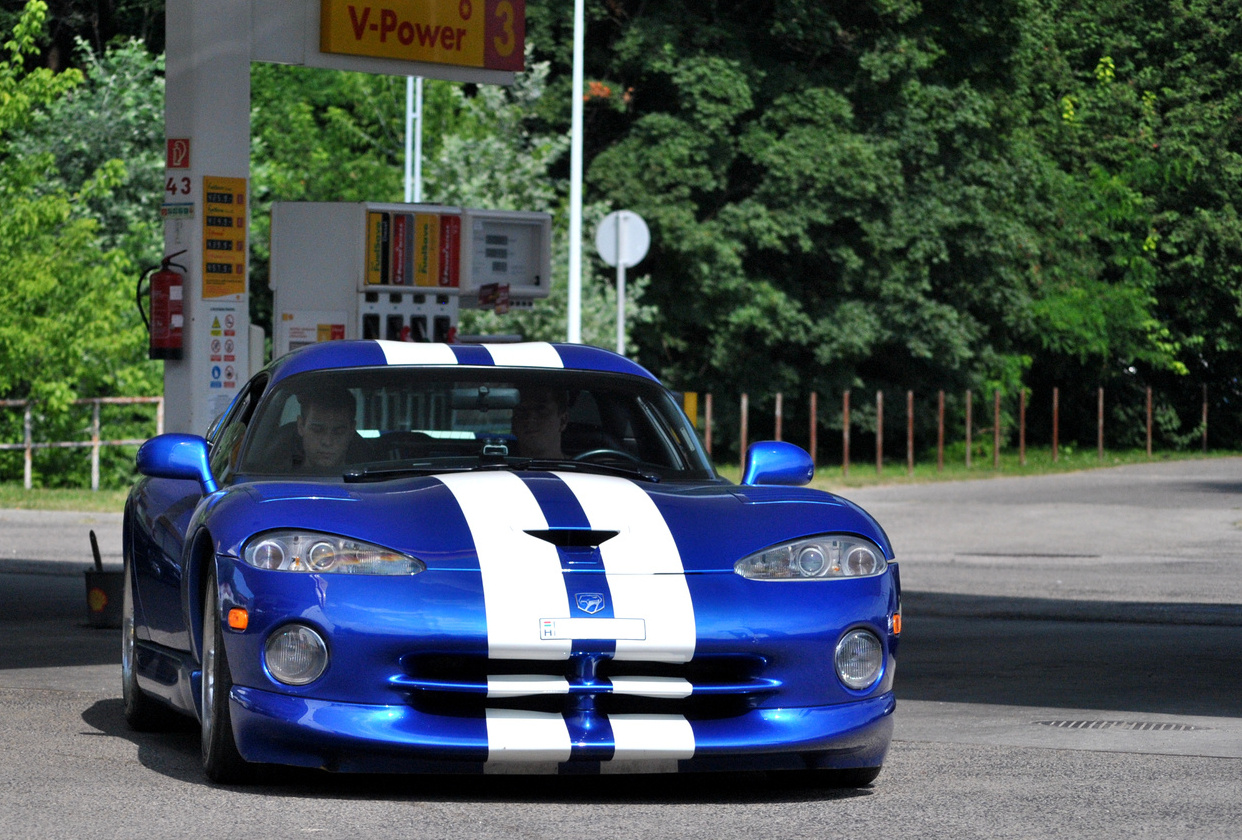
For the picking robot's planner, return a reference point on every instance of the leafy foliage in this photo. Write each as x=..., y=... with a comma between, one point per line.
x=890, y=194
x=68, y=327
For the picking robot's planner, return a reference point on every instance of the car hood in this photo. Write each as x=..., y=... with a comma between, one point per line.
x=707, y=526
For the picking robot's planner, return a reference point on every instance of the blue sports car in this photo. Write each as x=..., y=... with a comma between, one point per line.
x=396, y=557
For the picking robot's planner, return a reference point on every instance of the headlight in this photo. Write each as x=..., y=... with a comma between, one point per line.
x=817, y=557
x=307, y=551
x=858, y=659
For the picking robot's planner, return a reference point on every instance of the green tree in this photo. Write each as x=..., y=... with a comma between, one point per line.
x=68, y=327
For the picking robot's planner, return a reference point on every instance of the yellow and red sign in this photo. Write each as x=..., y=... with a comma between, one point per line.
x=490, y=34
x=413, y=249
x=224, y=237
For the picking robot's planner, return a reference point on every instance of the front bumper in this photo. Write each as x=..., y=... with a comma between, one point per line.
x=275, y=728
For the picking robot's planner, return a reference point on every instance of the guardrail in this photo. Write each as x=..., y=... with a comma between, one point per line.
x=29, y=445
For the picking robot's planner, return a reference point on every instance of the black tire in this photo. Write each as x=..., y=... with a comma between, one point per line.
x=143, y=713
x=856, y=777
x=221, y=761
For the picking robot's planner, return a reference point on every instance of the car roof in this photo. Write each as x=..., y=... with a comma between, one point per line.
x=332, y=355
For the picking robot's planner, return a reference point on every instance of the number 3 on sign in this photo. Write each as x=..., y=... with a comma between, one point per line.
x=505, y=41
x=177, y=186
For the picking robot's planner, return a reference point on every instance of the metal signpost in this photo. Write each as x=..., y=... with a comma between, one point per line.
x=622, y=240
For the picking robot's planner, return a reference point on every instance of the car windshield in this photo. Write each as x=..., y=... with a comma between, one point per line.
x=377, y=423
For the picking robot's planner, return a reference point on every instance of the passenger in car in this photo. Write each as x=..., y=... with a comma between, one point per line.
x=538, y=420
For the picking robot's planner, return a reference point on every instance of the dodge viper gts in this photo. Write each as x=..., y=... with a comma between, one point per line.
x=371, y=563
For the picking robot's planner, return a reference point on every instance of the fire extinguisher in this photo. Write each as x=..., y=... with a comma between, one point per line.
x=167, y=316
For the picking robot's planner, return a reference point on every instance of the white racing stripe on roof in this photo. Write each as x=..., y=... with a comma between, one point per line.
x=531, y=354
x=643, y=567
x=516, y=735
x=416, y=353
x=522, y=579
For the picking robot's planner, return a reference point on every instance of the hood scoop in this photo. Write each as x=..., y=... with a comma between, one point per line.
x=574, y=537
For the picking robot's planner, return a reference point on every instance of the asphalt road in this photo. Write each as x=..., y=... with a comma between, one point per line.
x=1070, y=668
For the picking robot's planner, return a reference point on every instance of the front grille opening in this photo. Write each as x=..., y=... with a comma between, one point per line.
x=732, y=679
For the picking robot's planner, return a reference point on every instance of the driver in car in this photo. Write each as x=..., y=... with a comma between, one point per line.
x=538, y=420
x=326, y=426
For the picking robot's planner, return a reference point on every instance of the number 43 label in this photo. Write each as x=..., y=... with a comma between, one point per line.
x=179, y=185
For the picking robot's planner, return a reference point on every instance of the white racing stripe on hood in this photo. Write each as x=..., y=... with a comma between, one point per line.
x=522, y=579
x=643, y=567
x=531, y=354
x=417, y=353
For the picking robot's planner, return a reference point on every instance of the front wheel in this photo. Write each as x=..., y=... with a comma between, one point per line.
x=221, y=761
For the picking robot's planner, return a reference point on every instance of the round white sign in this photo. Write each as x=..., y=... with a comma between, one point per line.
x=627, y=229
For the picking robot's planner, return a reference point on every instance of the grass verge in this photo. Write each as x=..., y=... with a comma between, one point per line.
x=58, y=498
x=1038, y=462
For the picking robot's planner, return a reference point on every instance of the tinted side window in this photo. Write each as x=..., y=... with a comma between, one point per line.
x=229, y=434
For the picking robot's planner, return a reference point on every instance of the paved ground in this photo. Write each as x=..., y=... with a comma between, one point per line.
x=1157, y=542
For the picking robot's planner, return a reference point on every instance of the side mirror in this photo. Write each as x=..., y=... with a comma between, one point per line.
x=775, y=462
x=177, y=456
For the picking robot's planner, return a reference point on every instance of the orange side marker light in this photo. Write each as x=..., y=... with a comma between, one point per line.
x=896, y=624
x=239, y=619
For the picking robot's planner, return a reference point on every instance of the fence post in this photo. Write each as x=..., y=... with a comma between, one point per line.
x=1099, y=424
x=1148, y=421
x=780, y=407
x=969, y=419
x=95, y=445
x=996, y=430
x=940, y=432
x=814, y=438
x=879, y=432
x=1056, y=420
x=745, y=429
x=159, y=416
x=28, y=479
x=707, y=423
x=1205, y=418
x=1022, y=426
x=845, y=433
x=909, y=433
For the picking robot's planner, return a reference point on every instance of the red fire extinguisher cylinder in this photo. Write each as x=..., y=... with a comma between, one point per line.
x=167, y=316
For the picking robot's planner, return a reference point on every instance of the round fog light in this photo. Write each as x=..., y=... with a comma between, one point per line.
x=296, y=654
x=859, y=659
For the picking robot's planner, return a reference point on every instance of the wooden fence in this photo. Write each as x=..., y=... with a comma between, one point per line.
x=969, y=423
x=29, y=445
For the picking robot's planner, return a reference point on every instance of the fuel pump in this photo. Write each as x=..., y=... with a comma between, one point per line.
x=399, y=272
x=166, y=323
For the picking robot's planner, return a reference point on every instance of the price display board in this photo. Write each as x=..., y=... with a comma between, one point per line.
x=224, y=237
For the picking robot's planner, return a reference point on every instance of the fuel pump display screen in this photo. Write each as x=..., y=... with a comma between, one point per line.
x=504, y=253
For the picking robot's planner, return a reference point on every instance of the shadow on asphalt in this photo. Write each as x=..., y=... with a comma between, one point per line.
x=44, y=624
x=951, y=655
x=175, y=754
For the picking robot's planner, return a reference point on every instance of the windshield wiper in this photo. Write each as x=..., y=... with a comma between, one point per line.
x=364, y=474
x=545, y=464
x=406, y=471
